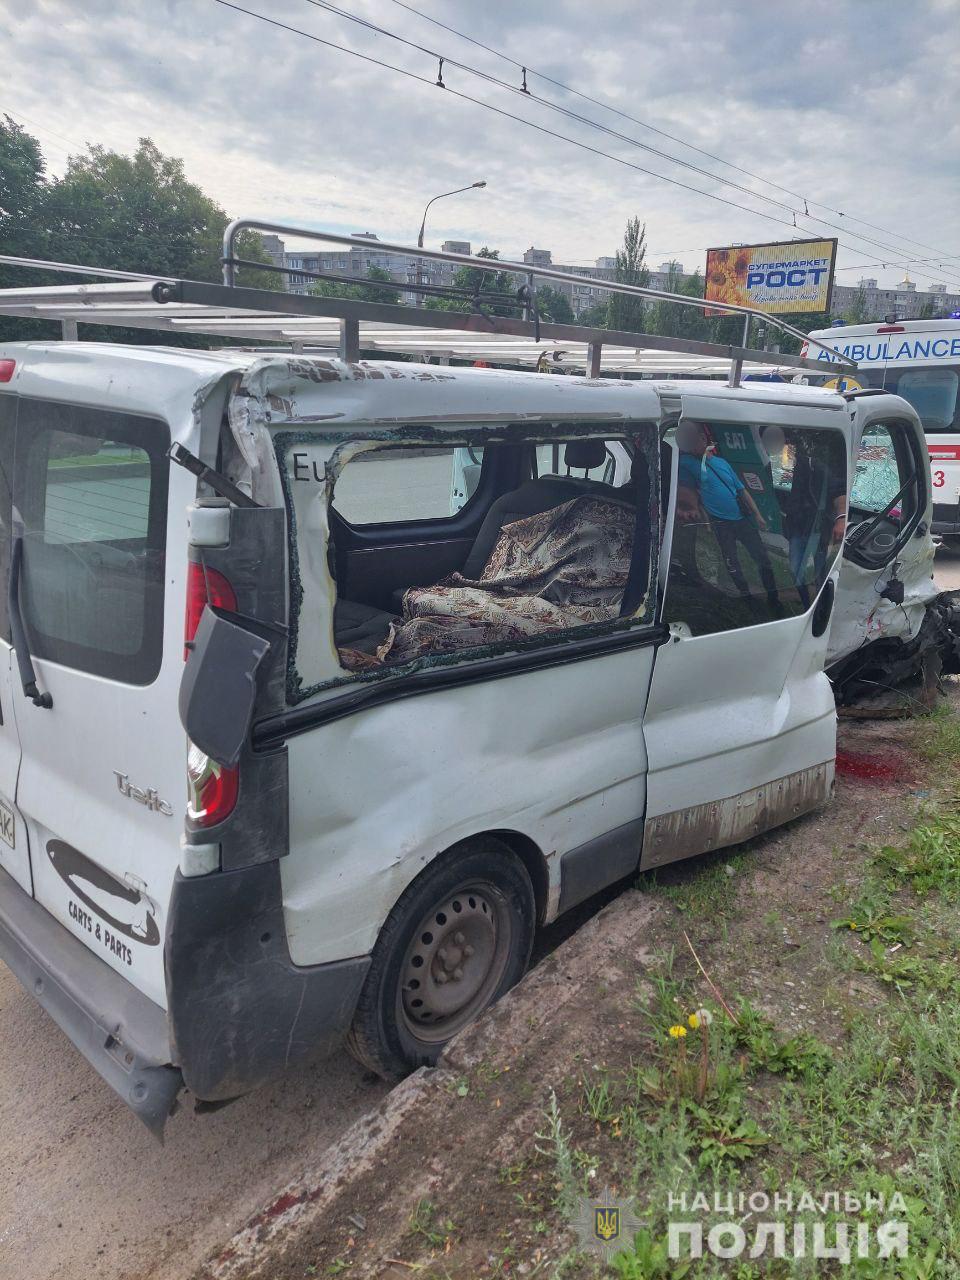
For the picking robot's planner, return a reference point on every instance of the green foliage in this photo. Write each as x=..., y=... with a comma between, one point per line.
x=425, y=1221
x=858, y=311
x=22, y=231
x=386, y=290
x=553, y=305
x=930, y=859
x=800, y=1055
x=125, y=212
x=631, y=268
x=677, y=321
x=479, y=281
x=939, y=738
x=594, y=317
x=649, y=1259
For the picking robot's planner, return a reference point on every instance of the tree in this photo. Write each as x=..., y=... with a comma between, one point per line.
x=554, y=305
x=127, y=213
x=630, y=267
x=673, y=319
x=142, y=213
x=478, y=281
x=926, y=310
x=594, y=317
x=858, y=312
x=386, y=292
x=22, y=189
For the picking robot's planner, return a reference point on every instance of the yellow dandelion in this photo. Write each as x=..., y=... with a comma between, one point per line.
x=693, y=1021
x=678, y=1032
x=853, y=924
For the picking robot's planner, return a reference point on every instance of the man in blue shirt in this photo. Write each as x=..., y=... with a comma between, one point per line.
x=712, y=483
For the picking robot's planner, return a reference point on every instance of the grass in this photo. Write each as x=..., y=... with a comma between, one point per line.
x=700, y=1100
x=939, y=737
x=705, y=888
x=741, y=1106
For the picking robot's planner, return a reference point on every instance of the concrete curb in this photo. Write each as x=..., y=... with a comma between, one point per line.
x=524, y=1015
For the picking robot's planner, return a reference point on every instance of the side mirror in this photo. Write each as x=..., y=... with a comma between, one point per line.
x=219, y=687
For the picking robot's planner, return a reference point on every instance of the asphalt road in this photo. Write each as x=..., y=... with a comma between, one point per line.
x=86, y=1191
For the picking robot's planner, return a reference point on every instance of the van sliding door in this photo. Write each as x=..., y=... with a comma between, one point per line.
x=740, y=726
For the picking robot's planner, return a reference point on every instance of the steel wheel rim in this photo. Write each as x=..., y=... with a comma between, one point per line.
x=455, y=961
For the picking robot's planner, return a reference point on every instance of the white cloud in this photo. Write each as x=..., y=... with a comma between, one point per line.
x=854, y=105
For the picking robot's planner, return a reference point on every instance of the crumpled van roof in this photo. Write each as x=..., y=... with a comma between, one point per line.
x=152, y=379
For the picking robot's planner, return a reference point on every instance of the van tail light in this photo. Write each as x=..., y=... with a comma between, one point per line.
x=7, y=368
x=204, y=586
x=890, y=328
x=212, y=789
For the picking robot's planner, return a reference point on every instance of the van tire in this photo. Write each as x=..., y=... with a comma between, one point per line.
x=480, y=885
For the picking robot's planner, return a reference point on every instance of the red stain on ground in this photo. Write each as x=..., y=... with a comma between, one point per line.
x=862, y=766
x=281, y=1205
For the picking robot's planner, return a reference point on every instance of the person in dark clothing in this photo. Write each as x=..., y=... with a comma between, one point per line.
x=815, y=513
x=735, y=517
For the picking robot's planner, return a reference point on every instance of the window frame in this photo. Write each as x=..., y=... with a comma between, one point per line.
x=388, y=525
x=667, y=568
x=553, y=647
x=904, y=442
x=143, y=431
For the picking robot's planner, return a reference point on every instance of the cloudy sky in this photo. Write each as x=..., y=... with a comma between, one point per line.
x=853, y=104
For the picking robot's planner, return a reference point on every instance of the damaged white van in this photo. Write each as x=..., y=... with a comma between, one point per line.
x=414, y=735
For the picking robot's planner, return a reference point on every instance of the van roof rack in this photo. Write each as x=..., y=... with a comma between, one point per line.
x=247, y=315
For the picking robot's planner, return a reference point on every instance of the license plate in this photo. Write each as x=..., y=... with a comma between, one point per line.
x=8, y=825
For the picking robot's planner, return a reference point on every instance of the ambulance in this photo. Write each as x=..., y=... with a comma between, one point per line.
x=920, y=361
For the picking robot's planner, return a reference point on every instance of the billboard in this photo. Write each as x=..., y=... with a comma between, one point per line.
x=777, y=278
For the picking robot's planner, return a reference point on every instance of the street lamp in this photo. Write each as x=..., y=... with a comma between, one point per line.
x=423, y=226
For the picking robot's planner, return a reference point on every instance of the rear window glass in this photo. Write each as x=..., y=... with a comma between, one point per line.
x=91, y=490
x=415, y=483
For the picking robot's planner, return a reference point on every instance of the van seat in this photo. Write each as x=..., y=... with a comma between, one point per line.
x=529, y=499
x=359, y=626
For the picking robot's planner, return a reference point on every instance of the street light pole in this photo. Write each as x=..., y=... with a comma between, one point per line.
x=423, y=226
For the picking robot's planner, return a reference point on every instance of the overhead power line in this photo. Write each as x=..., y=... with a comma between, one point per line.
x=446, y=60
x=605, y=106
x=509, y=115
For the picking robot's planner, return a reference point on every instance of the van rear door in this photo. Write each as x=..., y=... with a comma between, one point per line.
x=101, y=782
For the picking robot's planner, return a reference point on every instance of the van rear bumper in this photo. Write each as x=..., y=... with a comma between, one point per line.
x=121, y=1033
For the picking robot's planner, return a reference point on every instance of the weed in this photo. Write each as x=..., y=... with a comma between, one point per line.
x=939, y=738
x=706, y=891
x=872, y=925
x=558, y=1149
x=423, y=1222
x=648, y=1260
x=799, y=1055
x=930, y=860
x=596, y=1101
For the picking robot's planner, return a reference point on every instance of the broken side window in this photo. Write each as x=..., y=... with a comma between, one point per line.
x=759, y=518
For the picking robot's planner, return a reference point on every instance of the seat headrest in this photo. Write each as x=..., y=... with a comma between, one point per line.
x=585, y=454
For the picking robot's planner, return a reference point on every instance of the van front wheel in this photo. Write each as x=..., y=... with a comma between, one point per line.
x=458, y=938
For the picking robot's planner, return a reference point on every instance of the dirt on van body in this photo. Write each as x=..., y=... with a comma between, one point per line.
x=576, y=1082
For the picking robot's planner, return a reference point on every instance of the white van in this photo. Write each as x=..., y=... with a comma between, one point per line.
x=414, y=734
